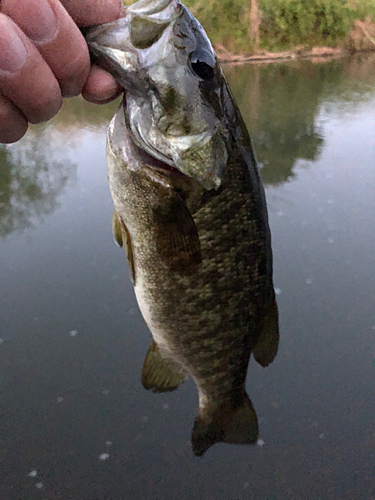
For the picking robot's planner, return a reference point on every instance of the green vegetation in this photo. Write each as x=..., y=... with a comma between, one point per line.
x=316, y=22
x=279, y=24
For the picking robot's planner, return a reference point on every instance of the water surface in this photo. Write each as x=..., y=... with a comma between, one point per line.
x=76, y=423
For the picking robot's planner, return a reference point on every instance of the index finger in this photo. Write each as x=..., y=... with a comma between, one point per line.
x=97, y=12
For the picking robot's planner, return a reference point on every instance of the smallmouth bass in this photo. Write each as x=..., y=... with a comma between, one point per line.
x=191, y=213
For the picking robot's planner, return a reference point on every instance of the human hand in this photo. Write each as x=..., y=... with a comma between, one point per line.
x=44, y=57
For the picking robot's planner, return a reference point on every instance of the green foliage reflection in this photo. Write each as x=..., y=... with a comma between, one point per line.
x=32, y=176
x=280, y=104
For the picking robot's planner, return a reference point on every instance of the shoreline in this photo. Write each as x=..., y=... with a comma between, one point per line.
x=319, y=53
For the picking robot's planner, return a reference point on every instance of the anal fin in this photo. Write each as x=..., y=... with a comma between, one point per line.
x=160, y=374
x=268, y=342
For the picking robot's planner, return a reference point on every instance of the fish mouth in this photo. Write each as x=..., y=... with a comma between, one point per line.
x=159, y=165
x=183, y=153
x=178, y=146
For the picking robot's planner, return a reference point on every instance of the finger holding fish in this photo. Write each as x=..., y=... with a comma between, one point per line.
x=55, y=35
x=44, y=57
x=25, y=78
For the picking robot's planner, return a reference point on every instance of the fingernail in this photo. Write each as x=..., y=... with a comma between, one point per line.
x=41, y=26
x=13, y=53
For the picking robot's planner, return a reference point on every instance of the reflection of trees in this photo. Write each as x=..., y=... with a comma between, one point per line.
x=355, y=88
x=32, y=176
x=280, y=104
x=282, y=119
x=34, y=172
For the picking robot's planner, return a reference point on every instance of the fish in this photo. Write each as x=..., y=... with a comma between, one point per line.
x=191, y=213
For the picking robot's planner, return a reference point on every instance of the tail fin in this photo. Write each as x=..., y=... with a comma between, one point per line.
x=227, y=425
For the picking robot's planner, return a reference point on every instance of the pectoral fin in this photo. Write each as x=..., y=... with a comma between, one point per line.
x=227, y=425
x=177, y=237
x=160, y=374
x=116, y=230
x=122, y=238
x=266, y=348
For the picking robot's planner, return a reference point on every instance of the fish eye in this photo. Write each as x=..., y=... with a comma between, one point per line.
x=202, y=63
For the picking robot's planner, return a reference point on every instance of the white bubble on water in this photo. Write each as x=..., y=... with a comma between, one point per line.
x=60, y=399
x=104, y=456
x=308, y=281
x=109, y=443
x=73, y=333
x=322, y=436
x=260, y=442
x=33, y=473
x=165, y=406
x=278, y=291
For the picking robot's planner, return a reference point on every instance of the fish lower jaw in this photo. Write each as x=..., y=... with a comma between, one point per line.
x=162, y=167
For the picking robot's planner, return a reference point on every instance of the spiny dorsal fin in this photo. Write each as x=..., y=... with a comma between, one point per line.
x=116, y=230
x=160, y=374
x=268, y=342
x=227, y=425
x=177, y=237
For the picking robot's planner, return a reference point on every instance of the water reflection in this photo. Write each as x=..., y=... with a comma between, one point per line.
x=72, y=405
x=77, y=114
x=281, y=104
x=282, y=124
x=35, y=171
x=33, y=174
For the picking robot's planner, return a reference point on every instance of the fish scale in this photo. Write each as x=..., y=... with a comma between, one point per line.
x=191, y=213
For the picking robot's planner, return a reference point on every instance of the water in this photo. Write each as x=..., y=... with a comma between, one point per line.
x=76, y=423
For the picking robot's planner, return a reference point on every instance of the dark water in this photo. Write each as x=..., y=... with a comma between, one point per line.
x=76, y=423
